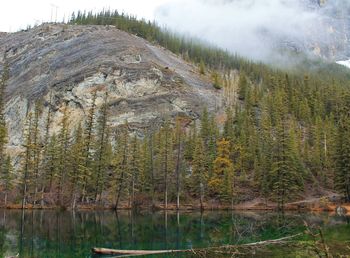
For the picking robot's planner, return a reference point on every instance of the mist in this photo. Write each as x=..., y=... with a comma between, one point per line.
x=260, y=29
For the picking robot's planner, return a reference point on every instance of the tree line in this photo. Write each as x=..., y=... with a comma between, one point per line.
x=282, y=135
x=280, y=138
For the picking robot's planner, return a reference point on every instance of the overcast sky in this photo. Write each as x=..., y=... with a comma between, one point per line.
x=17, y=14
x=250, y=28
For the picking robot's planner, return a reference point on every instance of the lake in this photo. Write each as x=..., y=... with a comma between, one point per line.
x=42, y=233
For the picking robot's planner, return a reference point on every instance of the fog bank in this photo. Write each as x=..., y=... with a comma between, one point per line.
x=259, y=29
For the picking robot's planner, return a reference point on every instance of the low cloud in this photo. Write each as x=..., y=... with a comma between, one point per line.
x=260, y=29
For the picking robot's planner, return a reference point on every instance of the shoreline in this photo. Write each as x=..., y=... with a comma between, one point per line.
x=339, y=208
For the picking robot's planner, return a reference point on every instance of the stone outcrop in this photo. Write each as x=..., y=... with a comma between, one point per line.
x=145, y=83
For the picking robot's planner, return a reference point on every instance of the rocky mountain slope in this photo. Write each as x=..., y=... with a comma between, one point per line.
x=145, y=83
x=328, y=37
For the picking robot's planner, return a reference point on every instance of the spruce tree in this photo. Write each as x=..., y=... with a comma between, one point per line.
x=199, y=175
x=166, y=156
x=121, y=169
x=52, y=162
x=135, y=170
x=44, y=161
x=27, y=162
x=342, y=175
x=179, y=157
x=286, y=175
x=3, y=130
x=5, y=163
x=63, y=141
x=77, y=165
x=37, y=149
x=101, y=154
x=7, y=178
x=89, y=139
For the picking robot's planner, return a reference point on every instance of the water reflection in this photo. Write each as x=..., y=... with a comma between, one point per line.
x=72, y=234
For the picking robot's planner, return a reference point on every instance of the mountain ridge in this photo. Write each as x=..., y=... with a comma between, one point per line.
x=145, y=83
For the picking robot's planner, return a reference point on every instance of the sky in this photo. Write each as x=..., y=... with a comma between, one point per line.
x=18, y=14
x=250, y=28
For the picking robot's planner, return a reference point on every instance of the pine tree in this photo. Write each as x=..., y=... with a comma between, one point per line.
x=89, y=141
x=7, y=177
x=27, y=167
x=208, y=134
x=199, y=175
x=121, y=161
x=101, y=149
x=317, y=154
x=63, y=140
x=229, y=125
x=5, y=168
x=266, y=155
x=135, y=169
x=37, y=149
x=178, y=144
x=3, y=130
x=202, y=67
x=286, y=175
x=217, y=83
x=166, y=158
x=51, y=165
x=77, y=162
x=342, y=175
x=151, y=168
x=190, y=142
x=44, y=161
x=145, y=164
x=243, y=86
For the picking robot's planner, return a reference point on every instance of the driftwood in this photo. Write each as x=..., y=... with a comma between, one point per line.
x=106, y=251
x=132, y=253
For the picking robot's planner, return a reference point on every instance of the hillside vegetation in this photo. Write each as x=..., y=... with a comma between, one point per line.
x=285, y=134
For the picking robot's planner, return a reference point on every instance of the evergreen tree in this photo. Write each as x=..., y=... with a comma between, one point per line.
x=199, y=175
x=243, y=86
x=179, y=157
x=5, y=162
x=101, y=150
x=37, y=149
x=286, y=172
x=3, y=130
x=89, y=141
x=77, y=165
x=190, y=142
x=44, y=161
x=27, y=163
x=202, y=67
x=121, y=161
x=166, y=156
x=135, y=169
x=51, y=165
x=7, y=177
x=342, y=175
x=63, y=145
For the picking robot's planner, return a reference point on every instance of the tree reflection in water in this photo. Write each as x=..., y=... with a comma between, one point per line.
x=40, y=233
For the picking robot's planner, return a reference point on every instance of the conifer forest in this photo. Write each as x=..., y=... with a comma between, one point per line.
x=285, y=132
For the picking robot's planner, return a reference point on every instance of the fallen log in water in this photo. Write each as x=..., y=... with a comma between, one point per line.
x=106, y=251
x=131, y=253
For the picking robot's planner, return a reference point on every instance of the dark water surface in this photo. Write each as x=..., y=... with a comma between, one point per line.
x=73, y=234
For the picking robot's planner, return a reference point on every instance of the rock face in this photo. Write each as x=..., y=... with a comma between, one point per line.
x=145, y=83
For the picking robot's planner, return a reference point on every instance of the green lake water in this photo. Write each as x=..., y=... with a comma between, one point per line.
x=67, y=234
